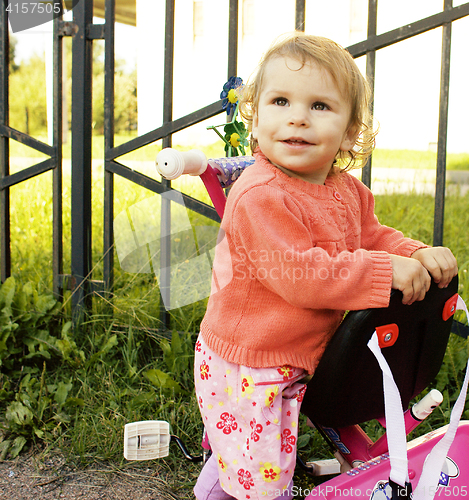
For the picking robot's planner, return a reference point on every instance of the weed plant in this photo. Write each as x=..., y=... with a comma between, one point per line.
x=74, y=389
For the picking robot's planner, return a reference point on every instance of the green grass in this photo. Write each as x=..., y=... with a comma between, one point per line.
x=110, y=359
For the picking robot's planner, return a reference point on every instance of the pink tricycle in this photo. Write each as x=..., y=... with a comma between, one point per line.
x=376, y=363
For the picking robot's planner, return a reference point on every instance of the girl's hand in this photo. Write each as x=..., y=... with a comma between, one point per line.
x=440, y=263
x=410, y=277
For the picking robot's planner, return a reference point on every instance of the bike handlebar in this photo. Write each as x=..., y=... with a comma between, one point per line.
x=171, y=163
x=216, y=174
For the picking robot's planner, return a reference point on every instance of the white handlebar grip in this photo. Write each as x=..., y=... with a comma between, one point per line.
x=427, y=404
x=171, y=163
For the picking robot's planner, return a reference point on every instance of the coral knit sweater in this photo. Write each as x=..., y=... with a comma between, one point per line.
x=291, y=258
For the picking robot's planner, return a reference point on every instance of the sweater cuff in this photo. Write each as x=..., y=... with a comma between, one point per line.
x=381, y=279
x=411, y=247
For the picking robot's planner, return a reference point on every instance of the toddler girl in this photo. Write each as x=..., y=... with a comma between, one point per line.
x=301, y=244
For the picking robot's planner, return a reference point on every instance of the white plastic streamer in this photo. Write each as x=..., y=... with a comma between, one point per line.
x=395, y=425
x=395, y=428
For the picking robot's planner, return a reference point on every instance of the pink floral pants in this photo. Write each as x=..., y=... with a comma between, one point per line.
x=251, y=418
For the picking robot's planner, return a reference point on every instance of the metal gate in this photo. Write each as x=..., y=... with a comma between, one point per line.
x=84, y=32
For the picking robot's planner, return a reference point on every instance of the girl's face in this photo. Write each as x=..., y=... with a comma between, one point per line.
x=302, y=120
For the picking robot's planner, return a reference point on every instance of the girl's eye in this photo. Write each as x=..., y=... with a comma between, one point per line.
x=281, y=101
x=319, y=106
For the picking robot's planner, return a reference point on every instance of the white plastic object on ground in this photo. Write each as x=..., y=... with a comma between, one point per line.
x=146, y=440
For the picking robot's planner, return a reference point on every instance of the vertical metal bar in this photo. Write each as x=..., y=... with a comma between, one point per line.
x=57, y=225
x=165, y=230
x=109, y=67
x=370, y=76
x=81, y=158
x=300, y=10
x=5, y=249
x=233, y=38
x=232, y=44
x=438, y=221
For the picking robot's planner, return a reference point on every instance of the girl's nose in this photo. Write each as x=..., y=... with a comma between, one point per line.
x=298, y=117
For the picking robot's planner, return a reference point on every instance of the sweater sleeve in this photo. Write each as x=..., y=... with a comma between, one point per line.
x=376, y=236
x=277, y=248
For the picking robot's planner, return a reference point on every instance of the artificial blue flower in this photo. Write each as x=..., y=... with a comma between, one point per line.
x=229, y=95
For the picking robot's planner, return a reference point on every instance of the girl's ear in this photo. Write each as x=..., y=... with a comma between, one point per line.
x=254, y=125
x=350, y=138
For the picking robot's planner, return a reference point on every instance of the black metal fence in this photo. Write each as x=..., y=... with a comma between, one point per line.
x=83, y=33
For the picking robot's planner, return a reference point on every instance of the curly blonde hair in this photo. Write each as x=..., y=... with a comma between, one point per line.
x=344, y=71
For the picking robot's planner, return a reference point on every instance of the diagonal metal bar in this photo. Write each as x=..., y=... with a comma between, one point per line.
x=408, y=31
x=165, y=130
x=27, y=173
x=27, y=140
x=159, y=188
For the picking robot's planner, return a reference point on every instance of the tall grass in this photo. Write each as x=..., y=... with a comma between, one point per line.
x=120, y=347
x=388, y=158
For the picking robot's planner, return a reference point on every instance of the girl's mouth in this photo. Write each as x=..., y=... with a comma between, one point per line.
x=296, y=142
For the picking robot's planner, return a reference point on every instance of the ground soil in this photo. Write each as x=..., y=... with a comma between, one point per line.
x=29, y=477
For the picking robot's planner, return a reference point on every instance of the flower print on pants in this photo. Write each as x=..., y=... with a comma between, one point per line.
x=271, y=394
x=245, y=479
x=288, y=440
x=270, y=472
x=256, y=429
x=247, y=385
x=221, y=463
x=227, y=423
x=204, y=371
x=286, y=371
